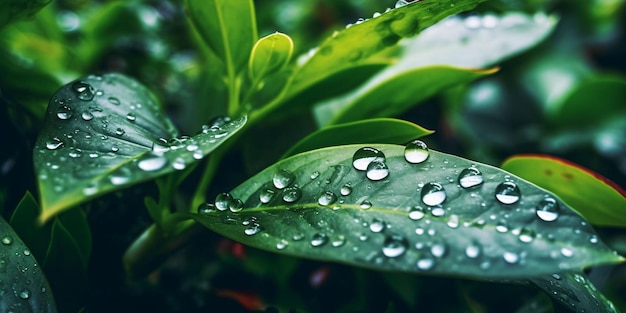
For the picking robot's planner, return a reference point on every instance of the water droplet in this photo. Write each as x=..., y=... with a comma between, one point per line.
x=364, y=156
x=416, y=213
x=297, y=237
x=90, y=190
x=394, y=246
x=83, y=90
x=114, y=101
x=502, y=226
x=346, y=189
x=192, y=147
x=526, y=235
x=548, y=210
x=206, y=208
x=315, y=175
x=438, y=211
x=366, y=204
x=453, y=222
x=567, y=252
x=222, y=201
x=266, y=195
x=433, y=194
x=292, y=194
x=25, y=294
x=377, y=225
x=253, y=229
x=470, y=177
x=198, y=154
x=510, y=257
x=120, y=132
x=179, y=164
x=282, y=244
x=319, y=239
x=283, y=178
x=415, y=152
x=153, y=163
x=327, y=198
x=54, y=143
x=235, y=205
x=119, y=180
x=87, y=116
x=64, y=112
x=339, y=241
x=159, y=147
x=508, y=193
x=377, y=170
x=425, y=264
x=473, y=250
x=7, y=240
x=26, y=252
x=438, y=250
x=131, y=116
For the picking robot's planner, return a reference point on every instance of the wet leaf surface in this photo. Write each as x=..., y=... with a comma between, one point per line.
x=574, y=291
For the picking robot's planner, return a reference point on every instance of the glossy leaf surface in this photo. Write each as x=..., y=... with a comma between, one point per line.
x=598, y=199
x=440, y=215
x=575, y=292
x=103, y=133
x=270, y=54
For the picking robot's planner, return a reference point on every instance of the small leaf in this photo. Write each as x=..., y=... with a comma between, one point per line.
x=24, y=222
x=598, y=199
x=22, y=290
x=382, y=130
x=575, y=292
x=102, y=133
x=14, y=10
x=227, y=26
x=269, y=54
x=435, y=213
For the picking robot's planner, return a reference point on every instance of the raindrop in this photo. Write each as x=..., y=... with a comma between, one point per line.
x=346, y=189
x=510, y=257
x=292, y=194
x=297, y=237
x=377, y=225
x=7, y=240
x=339, y=241
x=567, y=252
x=179, y=164
x=508, y=193
x=438, y=211
x=283, y=178
x=87, y=116
x=266, y=195
x=377, y=170
x=453, y=222
x=222, y=201
x=54, y=143
x=425, y=264
x=192, y=147
x=526, y=235
x=282, y=244
x=160, y=147
x=438, y=250
x=206, y=208
x=154, y=163
x=548, y=209
x=502, y=226
x=394, y=246
x=131, y=116
x=415, y=152
x=366, y=204
x=119, y=180
x=416, y=213
x=472, y=251
x=25, y=294
x=114, y=101
x=327, y=198
x=319, y=239
x=253, y=229
x=198, y=154
x=64, y=113
x=90, y=190
x=236, y=205
x=315, y=175
x=433, y=194
x=364, y=156
x=120, y=132
x=83, y=90
x=470, y=177
x=26, y=252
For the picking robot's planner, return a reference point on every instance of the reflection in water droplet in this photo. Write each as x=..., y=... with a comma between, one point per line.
x=179, y=164
x=131, y=116
x=377, y=225
x=83, y=90
x=394, y=246
x=548, y=210
x=206, y=208
x=366, y=204
x=346, y=189
x=433, y=194
x=253, y=229
x=319, y=239
x=526, y=235
x=87, y=116
x=508, y=193
x=292, y=194
x=222, y=201
x=6, y=240
x=473, y=250
x=54, y=143
x=339, y=241
x=153, y=163
x=282, y=244
x=510, y=257
x=64, y=112
x=438, y=250
x=266, y=195
x=416, y=213
x=364, y=156
x=283, y=178
x=377, y=170
x=470, y=177
x=235, y=205
x=327, y=198
x=416, y=151
x=425, y=264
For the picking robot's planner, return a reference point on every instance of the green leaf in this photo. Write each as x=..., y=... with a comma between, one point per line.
x=14, y=10
x=24, y=221
x=402, y=216
x=103, y=133
x=598, y=199
x=269, y=54
x=228, y=27
x=382, y=130
x=24, y=287
x=574, y=291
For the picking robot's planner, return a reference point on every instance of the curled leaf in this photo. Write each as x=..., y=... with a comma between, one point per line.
x=269, y=55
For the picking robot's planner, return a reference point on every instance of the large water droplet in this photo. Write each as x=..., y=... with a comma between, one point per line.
x=235, y=205
x=153, y=163
x=364, y=156
x=83, y=90
x=377, y=225
x=292, y=194
x=54, y=143
x=319, y=239
x=470, y=177
x=64, y=112
x=266, y=195
x=394, y=246
x=223, y=200
x=346, y=189
x=415, y=152
x=206, y=208
x=366, y=204
x=508, y=192
x=327, y=198
x=283, y=178
x=377, y=170
x=433, y=194
x=548, y=210
x=416, y=213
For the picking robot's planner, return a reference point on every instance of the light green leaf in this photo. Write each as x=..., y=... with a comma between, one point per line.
x=401, y=216
x=382, y=130
x=598, y=199
x=269, y=54
x=14, y=10
x=227, y=26
x=574, y=291
x=103, y=133
x=22, y=290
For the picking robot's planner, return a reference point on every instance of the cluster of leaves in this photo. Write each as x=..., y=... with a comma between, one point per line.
x=318, y=163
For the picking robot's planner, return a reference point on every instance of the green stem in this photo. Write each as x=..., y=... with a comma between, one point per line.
x=199, y=195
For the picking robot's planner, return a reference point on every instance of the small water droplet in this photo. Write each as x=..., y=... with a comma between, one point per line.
x=282, y=244
x=526, y=235
x=315, y=175
x=54, y=143
x=433, y=194
x=235, y=205
x=283, y=178
x=548, y=210
x=131, y=116
x=179, y=164
x=567, y=252
x=90, y=190
x=394, y=246
x=416, y=152
x=438, y=211
x=502, y=226
x=7, y=240
x=206, y=208
x=473, y=250
x=377, y=170
x=453, y=222
x=425, y=264
x=470, y=177
x=223, y=200
x=25, y=294
x=119, y=180
x=253, y=229
x=416, y=213
x=153, y=163
x=346, y=189
x=192, y=147
x=120, y=132
x=366, y=204
x=508, y=192
x=297, y=237
x=198, y=154
x=364, y=156
x=114, y=101
x=327, y=198
x=292, y=194
x=438, y=250
x=26, y=252
x=64, y=112
x=377, y=225
x=83, y=90
x=87, y=116
x=339, y=241
x=510, y=257
x=319, y=239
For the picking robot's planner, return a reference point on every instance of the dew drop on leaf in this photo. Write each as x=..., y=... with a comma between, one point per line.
x=346, y=189
x=416, y=213
x=548, y=209
x=502, y=226
x=120, y=131
x=253, y=229
x=438, y=211
x=433, y=194
x=222, y=201
x=87, y=116
x=315, y=175
x=526, y=235
x=179, y=164
x=206, y=208
x=266, y=195
x=283, y=178
x=567, y=252
x=364, y=156
x=319, y=239
x=282, y=244
x=339, y=241
x=473, y=250
x=292, y=194
x=470, y=177
x=114, y=101
x=64, y=112
x=415, y=152
x=25, y=294
x=327, y=198
x=377, y=225
x=6, y=240
x=131, y=117
x=377, y=170
x=153, y=163
x=453, y=222
x=235, y=205
x=83, y=90
x=425, y=264
x=394, y=246
x=54, y=143
x=508, y=193
x=438, y=249
x=510, y=257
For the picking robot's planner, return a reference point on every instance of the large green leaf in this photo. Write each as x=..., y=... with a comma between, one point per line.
x=14, y=10
x=23, y=286
x=103, y=133
x=598, y=199
x=441, y=215
x=574, y=291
